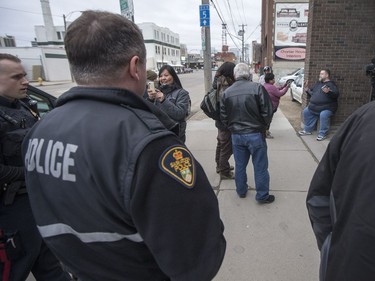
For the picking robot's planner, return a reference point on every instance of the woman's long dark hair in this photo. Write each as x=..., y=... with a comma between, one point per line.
x=173, y=73
x=226, y=70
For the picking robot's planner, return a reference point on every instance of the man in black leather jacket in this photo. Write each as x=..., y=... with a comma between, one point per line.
x=247, y=111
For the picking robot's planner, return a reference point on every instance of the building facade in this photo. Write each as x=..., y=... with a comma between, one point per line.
x=283, y=35
x=42, y=38
x=51, y=64
x=7, y=41
x=162, y=45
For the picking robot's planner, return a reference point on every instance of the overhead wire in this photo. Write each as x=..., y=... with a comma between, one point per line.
x=223, y=22
x=23, y=11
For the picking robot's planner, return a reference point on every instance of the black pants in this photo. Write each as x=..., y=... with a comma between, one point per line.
x=36, y=257
x=223, y=151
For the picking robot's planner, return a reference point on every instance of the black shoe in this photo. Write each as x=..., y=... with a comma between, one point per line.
x=227, y=176
x=231, y=168
x=242, y=195
x=269, y=200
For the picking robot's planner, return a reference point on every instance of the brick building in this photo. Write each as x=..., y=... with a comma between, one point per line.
x=341, y=37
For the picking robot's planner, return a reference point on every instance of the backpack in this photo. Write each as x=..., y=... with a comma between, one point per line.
x=211, y=105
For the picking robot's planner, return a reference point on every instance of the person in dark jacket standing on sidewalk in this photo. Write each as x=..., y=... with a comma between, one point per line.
x=322, y=105
x=115, y=194
x=224, y=78
x=247, y=111
x=172, y=98
x=340, y=201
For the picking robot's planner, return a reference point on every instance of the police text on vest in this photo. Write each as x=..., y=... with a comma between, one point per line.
x=51, y=158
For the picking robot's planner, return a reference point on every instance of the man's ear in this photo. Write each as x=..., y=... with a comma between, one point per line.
x=134, y=68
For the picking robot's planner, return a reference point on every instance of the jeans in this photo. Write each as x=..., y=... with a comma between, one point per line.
x=310, y=118
x=223, y=151
x=254, y=145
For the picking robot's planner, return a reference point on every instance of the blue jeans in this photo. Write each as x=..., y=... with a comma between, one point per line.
x=310, y=118
x=245, y=146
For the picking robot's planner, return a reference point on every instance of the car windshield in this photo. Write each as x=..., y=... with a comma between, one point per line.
x=296, y=72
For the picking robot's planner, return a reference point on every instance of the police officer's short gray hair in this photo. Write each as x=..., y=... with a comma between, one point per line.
x=99, y=45
x=241, y=71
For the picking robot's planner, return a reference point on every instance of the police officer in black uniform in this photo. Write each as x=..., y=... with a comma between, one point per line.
x=22, y=249
x=115, y=193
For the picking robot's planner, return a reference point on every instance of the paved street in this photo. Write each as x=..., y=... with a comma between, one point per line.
x=264, y=242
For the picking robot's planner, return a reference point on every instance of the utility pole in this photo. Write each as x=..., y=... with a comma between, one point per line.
x=64, y=17
x=242, y=34
x=206, y=43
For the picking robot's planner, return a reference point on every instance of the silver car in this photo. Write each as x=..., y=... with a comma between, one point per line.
x=291, y=77
x=296, y=88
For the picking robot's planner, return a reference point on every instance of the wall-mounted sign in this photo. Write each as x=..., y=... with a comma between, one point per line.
x=290, y=36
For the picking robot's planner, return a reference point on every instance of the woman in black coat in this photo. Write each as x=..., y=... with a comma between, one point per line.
x=170, y=97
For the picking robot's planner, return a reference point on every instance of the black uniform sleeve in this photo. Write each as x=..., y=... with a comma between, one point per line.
x=10, y=174
x=319, y=198
x=180, y=225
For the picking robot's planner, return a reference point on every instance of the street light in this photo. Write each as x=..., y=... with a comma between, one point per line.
x=68, y=15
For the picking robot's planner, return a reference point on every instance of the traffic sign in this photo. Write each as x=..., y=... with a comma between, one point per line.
x=204, y=15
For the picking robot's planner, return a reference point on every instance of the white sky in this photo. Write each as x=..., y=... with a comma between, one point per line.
x=18, y=18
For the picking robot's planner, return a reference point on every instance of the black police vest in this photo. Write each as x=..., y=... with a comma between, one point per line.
x=15, y=122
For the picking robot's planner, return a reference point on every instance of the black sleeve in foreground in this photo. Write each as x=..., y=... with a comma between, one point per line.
x=180, y=226
x=320, y=191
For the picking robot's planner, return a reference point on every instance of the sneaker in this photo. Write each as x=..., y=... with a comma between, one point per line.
x=269, y=200
x=320, y=138
x=304, y=133
x=228, y=176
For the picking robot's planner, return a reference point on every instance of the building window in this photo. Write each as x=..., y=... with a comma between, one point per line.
x=167, y=38
x=156, y=49
x=169, y=52
x=58, y=35
x=155, y=34
x=177, y=53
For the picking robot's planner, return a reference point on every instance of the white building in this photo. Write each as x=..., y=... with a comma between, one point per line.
x=7, y=41
x=162, y=45
x=49, y=63
x=42, y=40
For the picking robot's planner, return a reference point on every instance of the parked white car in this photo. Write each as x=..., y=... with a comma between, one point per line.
x=291, y=77
x=296, y=88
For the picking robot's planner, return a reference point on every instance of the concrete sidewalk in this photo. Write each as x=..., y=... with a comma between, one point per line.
x=265, y=242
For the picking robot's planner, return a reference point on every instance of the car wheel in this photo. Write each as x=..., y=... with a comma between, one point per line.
x=291, y=95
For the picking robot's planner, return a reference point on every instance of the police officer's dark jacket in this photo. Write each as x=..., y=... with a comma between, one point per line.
x=340, y=201
x=15, y=121
x=246, y=108
x=117, y=196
